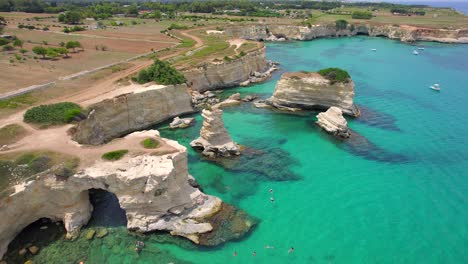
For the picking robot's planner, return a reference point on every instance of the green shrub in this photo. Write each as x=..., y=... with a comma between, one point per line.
x=114, y=155
x=335, y=75
x=161, y=72
x=8, y=48
x=177, y=26
x=361, y=15
x=150, y=143
x=53, y=114
x=341, y=24
x=4, y=41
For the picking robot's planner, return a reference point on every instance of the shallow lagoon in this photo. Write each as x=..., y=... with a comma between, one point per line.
x=399, y=195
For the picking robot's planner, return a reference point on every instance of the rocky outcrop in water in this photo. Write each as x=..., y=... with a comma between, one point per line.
x=178, y=122
x=333, y=122
x=212, y=76
x=154, y=191
x=312, y=91
x=130, y=112
x=214, y=140
x=274, y=32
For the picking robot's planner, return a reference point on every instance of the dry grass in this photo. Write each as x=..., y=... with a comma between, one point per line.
x=12, y=133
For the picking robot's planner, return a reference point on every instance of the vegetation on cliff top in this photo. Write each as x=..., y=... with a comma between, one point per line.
x=114, y=155
x=150, y=143
x=53, y=114
x=335, y=75
x=16, y=167
x=160, y=72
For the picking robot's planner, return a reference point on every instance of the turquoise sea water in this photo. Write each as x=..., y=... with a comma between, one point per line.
x=397, y=193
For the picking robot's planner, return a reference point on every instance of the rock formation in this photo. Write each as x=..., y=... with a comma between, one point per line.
x=130, y=112
x=214, y=140
x=275, y=32
x=234, y=99
x=212, y=76
x=314, y=92
x=181, y=122
x=154, y=191
x=333, y=122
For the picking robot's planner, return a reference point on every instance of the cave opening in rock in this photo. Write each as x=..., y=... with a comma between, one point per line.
x=362, y=34
x=107, y=210
x=33, y=238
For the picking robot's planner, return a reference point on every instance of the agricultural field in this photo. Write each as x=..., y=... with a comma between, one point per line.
x=100, y=47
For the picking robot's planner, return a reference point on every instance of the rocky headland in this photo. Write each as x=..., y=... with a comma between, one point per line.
x=250, y=68
x=125, y=113
x=276, y=32
x=214, y=140
x=152, y=186
x=312, y=91
x=333, y=122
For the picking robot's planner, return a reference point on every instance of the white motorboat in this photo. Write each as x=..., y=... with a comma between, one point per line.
x=435, y=87
x=420, y=48
x=374, y=49
x=415, y=52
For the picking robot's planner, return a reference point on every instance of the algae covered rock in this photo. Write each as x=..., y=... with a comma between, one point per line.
x=90, y=234
x=102, y=233
x=33, y=250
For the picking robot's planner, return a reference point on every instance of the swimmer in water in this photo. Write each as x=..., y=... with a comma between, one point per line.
x=254, y=253
x=290, y=250
x=234, y=254
x=272, y=199
x=271, y=190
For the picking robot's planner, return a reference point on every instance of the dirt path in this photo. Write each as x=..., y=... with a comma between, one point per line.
x=98, y=89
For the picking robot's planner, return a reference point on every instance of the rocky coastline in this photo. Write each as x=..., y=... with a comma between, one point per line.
x=250, y=68
x=155, y=190
x=399, y=32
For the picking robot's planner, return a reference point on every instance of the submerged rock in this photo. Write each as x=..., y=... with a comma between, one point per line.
x=214, y=140
x=181, y=122
x=311, y=91
x=333, y=122
x=102, y=233
x=230, y=223
x=33, y=250
x=90, y=234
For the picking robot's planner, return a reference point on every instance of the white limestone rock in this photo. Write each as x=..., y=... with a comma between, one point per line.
x=214, y=140
x=178, y=122
x=333, y=122
x=311, y=91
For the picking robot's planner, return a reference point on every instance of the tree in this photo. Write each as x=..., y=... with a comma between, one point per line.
x=157, y=15
x=23, y=51
x=341, y=24
x=39, y=50
x=51, y=53
x=70, y=17
x=73, y=45
x=62, y=51
x=18, y=43
x=132, y=10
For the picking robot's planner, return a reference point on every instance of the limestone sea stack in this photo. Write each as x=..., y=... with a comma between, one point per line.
x=333, y=122
x=214, y=140
x=312, y=91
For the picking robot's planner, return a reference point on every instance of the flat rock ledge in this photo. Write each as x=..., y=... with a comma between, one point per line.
x=214, y=140
x=311, y=91
x=333, y=122
x=178, y=122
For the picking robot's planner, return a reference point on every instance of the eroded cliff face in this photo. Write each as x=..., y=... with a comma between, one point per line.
x=314, y=92
x=212, y=76
x=155, y=192
x=129, y=112
x=403, y=33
